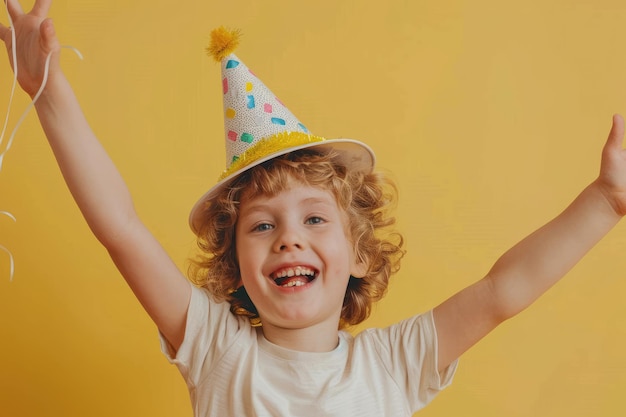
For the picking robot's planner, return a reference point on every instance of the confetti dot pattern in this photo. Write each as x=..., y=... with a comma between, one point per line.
x=252, y=111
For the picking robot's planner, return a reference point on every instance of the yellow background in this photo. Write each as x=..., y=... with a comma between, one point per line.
x=491, y=115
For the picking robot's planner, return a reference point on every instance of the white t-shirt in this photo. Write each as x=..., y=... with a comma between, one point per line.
x=232, y=370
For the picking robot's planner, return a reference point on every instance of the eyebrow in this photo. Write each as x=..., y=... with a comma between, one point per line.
x=314, y=200
x=266, y=206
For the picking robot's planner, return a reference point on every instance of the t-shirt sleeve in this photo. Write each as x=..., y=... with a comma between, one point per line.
x=408, y=350
x=210, y=329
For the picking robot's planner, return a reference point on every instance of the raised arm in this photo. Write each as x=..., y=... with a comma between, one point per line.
x=536, y=263
x=91, y=176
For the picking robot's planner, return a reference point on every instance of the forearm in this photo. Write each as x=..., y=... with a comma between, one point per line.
x=536, y=263
x=91, y=176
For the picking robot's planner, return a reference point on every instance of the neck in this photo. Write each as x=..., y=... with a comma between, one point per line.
x=318, y=338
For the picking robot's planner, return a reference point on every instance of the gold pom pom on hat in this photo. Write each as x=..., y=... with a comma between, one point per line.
x=223, y=42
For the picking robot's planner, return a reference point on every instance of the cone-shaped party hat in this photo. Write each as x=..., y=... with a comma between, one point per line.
x=258, y=126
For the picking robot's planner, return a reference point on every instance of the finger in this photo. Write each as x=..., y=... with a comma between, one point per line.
x=3, y=31
x=41, y=8
x=616, y=135
x=15, y=9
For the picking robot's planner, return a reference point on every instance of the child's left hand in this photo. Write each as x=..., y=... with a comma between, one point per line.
x=612, y=178
x=540, y=260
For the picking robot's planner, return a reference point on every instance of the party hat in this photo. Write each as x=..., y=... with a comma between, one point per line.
x=259, y=127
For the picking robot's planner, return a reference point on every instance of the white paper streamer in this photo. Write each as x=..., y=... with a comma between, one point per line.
x=22, y=117
x=11, y=262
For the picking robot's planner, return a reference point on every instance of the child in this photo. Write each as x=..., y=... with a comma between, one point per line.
x=292, y=241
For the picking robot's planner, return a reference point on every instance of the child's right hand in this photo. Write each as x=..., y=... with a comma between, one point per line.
x=35, y=39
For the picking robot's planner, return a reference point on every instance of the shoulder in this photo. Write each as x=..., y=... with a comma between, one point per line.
x=210, y=329
x=419, y=329
x=406, y=349
x=207, y=315
x=407, y=352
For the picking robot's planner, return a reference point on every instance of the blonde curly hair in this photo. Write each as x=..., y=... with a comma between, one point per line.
x=366, y=198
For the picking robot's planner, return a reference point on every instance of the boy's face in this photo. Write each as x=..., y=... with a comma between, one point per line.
x=295, y=256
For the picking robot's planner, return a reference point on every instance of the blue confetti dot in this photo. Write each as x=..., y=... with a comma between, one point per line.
x=278, y=121
x=251, y=102
x=231, y=63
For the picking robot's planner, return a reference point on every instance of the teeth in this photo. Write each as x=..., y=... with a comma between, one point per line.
x=294, y=283
x=297, y=271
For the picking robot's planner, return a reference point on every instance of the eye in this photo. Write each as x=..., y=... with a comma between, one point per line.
x=262, y=227
x=314, y=220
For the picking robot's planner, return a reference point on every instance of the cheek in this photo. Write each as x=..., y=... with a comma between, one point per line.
x=249, y=263
x=340, y=259
x=243, y=264
x=242, y=250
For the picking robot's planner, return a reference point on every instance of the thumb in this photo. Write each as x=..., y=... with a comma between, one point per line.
x=49, y=41
x=616, y=135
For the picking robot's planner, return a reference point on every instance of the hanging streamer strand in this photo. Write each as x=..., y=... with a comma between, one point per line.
x=14, y=58
x=31, y=104
x=22, y=117
x=11, y=261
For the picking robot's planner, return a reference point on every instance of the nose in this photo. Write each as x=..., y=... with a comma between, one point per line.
x=288, y=239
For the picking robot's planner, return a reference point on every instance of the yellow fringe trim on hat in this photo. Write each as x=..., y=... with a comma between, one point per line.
x=223, y=42
x=282, y=141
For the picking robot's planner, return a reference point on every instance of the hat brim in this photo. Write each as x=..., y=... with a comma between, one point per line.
x=355, y=155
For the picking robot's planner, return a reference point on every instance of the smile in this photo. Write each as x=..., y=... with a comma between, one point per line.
x=294, y=276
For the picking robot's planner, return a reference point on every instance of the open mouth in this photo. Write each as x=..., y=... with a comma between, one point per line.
x=294, y=277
